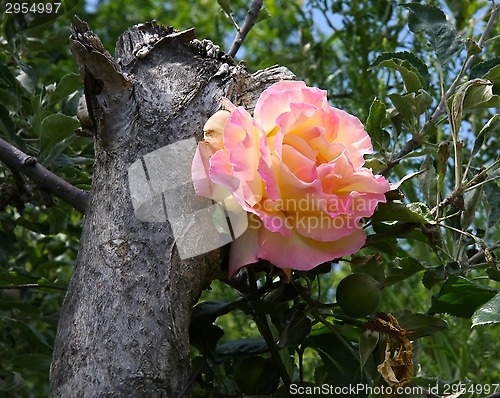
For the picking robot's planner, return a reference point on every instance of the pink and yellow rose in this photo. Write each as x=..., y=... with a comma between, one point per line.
x=296, y=169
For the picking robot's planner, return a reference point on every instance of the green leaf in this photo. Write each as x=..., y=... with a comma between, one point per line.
x=263, y=15
x=55, y=129
x=428, y=181
x=433, y=276
x=242, y=347
x=471, y=201
x=10, y=380
x=7, y=126
x=295, y=331
x=411, y=104
x=472, y=47
x=411, y=76
x=407, y=61
x=494, y=274
x=12, y=83
x=488, y=313
x=489, y=70
x=476, y=93
x=208, y=311
x=491, y=125
x=482, y=68
x=443, y=36
x=405, y=108
x=205, y=339
x=68, y=85
x=58, y=220
x=341, y=362
x=481, y=96
x=460, y=297
x=256, y=376
x=368, y=340
x=38, y=363
x=420, y=324
x=423, y=211
x=374, y=123
x=402, y=268
x=490, y=189
x=225, y=5
x=414, y=212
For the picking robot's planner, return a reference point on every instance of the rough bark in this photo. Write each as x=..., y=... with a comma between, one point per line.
x=123, y=330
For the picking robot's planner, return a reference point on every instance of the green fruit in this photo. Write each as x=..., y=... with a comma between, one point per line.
x=358, y=294
x=256, y=375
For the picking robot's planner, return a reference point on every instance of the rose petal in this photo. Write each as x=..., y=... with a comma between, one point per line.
x=301, y=253
x=245, y=248
x=352, y=134
x=301, y=166
x=203, y=185
x=213, y=129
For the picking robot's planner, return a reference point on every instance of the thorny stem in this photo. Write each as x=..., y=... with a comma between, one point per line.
x=248, y=23
x=417, y=139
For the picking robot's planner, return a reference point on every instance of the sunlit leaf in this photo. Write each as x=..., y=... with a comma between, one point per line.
x=488, y=313
x=68, y=85
x=491, y=126
x=225, y=5
x=413, y=212
x=263, y=15
x=491, y=191
x=476, y=93
x=428, y=181
x=55, y=129
x=412, y=79
x=443, y=36
x=376, y=120
x=407, y=64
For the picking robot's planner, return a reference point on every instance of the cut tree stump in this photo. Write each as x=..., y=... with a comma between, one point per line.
x=123, y=329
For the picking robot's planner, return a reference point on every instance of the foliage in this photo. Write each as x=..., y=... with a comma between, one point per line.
x=425, y=80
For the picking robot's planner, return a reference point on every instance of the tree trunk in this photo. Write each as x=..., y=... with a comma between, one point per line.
x=123, y=330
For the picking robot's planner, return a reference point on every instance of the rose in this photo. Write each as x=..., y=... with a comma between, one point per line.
x=296, y=168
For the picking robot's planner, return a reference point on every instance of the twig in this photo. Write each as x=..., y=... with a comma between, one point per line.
x=248, y=23
x=481, y=254
x=28, y=165
x=33, y=286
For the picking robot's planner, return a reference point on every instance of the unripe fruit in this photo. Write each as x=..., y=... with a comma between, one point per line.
x=358, y=294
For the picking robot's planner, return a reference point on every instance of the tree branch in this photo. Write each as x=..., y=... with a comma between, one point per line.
x=28, y=165
x=479, y=255
x=248, y=23
x=33, y=286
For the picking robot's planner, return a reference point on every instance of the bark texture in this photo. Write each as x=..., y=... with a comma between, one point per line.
x=123, y=330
